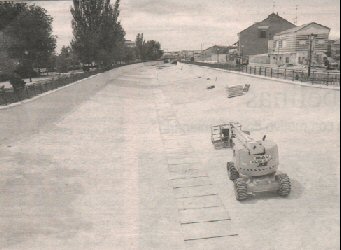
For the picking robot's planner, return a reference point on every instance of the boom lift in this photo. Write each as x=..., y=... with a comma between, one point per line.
x=254, y=168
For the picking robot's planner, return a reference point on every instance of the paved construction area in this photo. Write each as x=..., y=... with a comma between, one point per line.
x=124, y=161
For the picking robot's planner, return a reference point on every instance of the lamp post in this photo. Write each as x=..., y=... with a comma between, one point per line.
x=241, y=54
x=218, y=55
x=311, y=41
x=26, y=53
x=278, y=43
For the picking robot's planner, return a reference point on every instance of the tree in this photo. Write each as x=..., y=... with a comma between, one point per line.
x=130, y=54
x=66, y=60
x=9, y=11
x=29, y=43
x=98, y=35
x=140, y=44
x=153, y=50
x=150, y=50
x=29, y=32
x=30, y=36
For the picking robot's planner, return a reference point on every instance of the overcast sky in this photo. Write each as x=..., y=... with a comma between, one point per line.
x=189, y=24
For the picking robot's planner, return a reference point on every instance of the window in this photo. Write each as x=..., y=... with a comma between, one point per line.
x=302, y=42
x=320, y=42
x=287, y=60
x=284, y=45
x=279, y=44
x=263, y=34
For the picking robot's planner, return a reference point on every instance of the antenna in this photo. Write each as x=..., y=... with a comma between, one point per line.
x=296, y=17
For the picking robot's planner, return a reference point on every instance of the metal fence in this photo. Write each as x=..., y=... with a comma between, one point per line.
x=316, y=77
x=9, y=96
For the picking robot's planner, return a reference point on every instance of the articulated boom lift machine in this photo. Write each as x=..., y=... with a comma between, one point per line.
x=255, y=163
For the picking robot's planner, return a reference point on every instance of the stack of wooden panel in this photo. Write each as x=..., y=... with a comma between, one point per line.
x=233, y=91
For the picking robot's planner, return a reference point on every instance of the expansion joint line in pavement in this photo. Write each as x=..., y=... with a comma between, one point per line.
x=202, y=214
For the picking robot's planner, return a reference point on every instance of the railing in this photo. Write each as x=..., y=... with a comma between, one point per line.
x=10, y=95
x=316, y=77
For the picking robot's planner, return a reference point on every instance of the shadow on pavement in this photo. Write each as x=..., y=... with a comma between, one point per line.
x=296, y=192
x=36, y=199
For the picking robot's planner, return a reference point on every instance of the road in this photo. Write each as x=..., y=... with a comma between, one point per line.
x=124, y=161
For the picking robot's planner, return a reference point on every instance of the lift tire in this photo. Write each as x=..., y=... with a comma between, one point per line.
x=232, y=171
x=284, y=185
x=241, y=189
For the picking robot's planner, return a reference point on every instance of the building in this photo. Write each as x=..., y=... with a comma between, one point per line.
x=293, y=46
x=190, y=55
x=334, y=60
x=254, y=39
x=217, y=54
x=129, y=44
x=335, y=50
x=171, y=56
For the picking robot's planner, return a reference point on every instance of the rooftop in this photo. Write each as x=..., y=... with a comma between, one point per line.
x=300, y=28
x=272, y=18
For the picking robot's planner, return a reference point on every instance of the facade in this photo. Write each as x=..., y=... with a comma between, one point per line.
x=171, y=56
x=190, y=55
x=217, y=54
x=259, y=59
x=129, y=44
x=293, y=46
x=335, y=50
x=335, y=53
x=254, y=39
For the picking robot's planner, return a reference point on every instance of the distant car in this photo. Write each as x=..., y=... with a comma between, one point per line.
x=333, y=66
x=89, y=67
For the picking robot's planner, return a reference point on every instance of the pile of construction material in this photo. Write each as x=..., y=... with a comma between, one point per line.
x=219, y=136
x=237, y=90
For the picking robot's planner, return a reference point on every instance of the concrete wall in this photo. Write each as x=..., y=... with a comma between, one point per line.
x=259, y=59
x=221, y=58
x=283, y=59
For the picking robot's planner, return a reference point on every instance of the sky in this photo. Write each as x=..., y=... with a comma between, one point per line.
x=196, y=24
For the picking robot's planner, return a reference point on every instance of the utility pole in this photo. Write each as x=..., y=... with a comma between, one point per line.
x=296, y=18
x=218, y=55
x=278, y=47
x=311, y=41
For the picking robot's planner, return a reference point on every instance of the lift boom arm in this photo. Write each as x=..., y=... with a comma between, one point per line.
x=239, y=137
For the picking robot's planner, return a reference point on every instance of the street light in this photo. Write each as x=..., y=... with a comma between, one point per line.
x=241, y=53
x=218, y=55
x=26, y=53
x=311, y=41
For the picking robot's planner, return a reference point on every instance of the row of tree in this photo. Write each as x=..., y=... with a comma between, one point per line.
x=98, y=35
x=146, y=51
x=98, y=38
x=28, y=37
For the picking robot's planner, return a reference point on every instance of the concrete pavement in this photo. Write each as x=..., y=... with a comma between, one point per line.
x=132, y=166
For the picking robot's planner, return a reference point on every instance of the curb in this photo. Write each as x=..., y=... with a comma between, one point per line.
x=12, y=105
x=273, y=79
